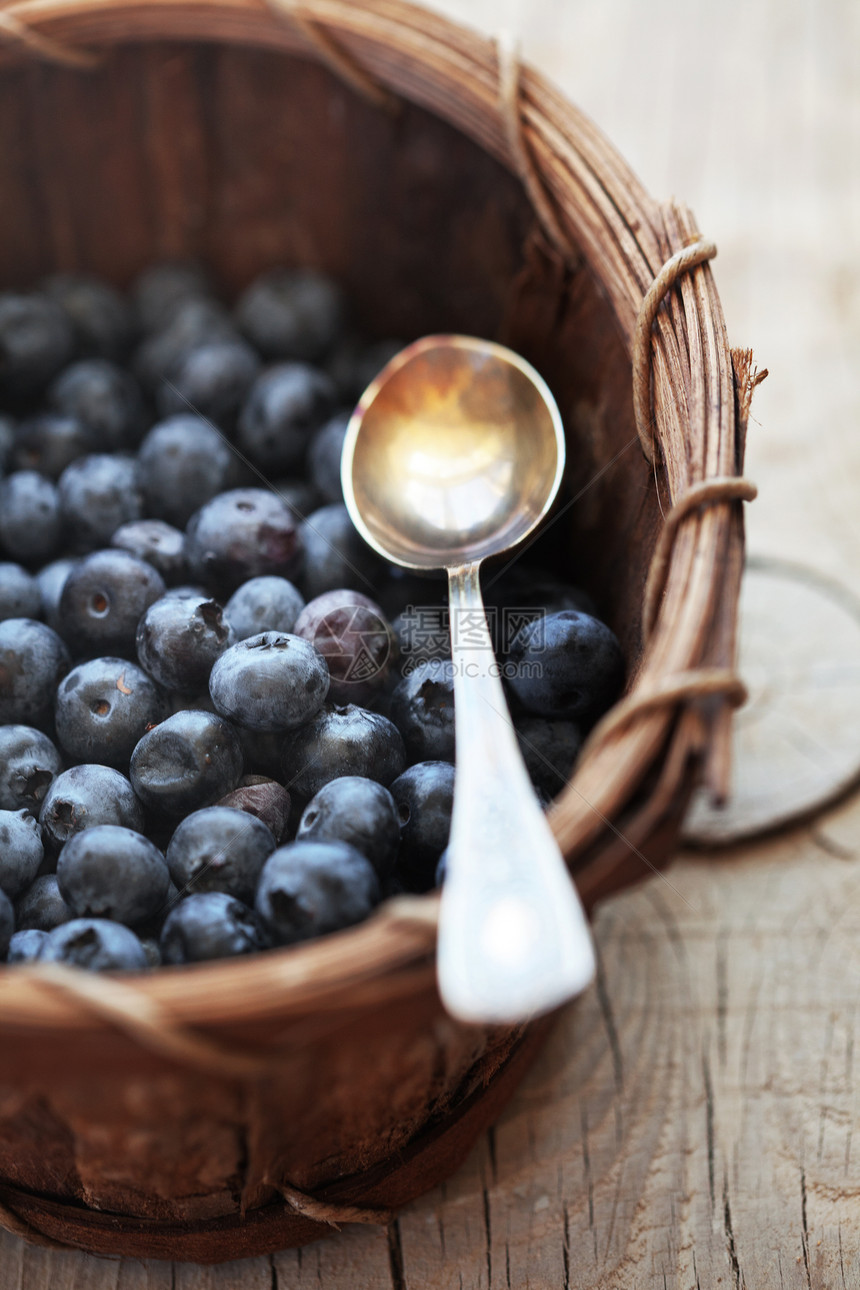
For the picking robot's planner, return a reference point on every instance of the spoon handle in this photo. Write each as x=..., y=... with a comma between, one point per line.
x=513, y=938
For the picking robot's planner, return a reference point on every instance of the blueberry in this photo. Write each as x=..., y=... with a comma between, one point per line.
x=220, y=849
x=425, y=797
x=422, y=708
x=162, y=289
x=20, y=596
x=265, y=798
x=36, y=340
x=103, y=709
x=312, y=888
x=188, y=761
x=7, y=923
x=33, y=660
x=358, y=811
x=212, y=380
x=41, y=907
x=51, y=579
x=353, y=365
x=292, y=313
x=423, y=632
x=21, y=851
x=353, y=636
x=209, y=925
x=263, y=605
x=84, y=797
x=97, y=944
x=97, y=494
x=112, y=872
x=245, y=533
x=157, y=543
x=28, y=764
x=195, y=322
x=284, y=409
x=104, y=398
x=324, y=457
x=273, y=681
x=336, y=555
x=103, y=600
x=178, y=640
x=341, y=741
x=49, y=442
x=549, y=750
x=568, y=665
x=523, y=594
x=182, y=464
x=29, y=517
x=101, y=320
x=24, y=946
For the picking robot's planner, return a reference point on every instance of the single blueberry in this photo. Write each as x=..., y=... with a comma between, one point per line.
x=51, y=579
x=162, y=289
x=241, y=534
x=273, y=681
x=265, y=604
x=101, y=319
x=33, y=661
x=97, y=494
x=188, y=761
x=220, y=849
x=21, y=851
x=549, y=750
x=336, y=555
x=24, y=946
x=209, y=925
x=292, y=313
x=425, y=798
x=30, y=521
x=312, y=888
x=7, y=923
x=103, y=709
x=179, y=639
x=358, y=811
x=341, y=741
x=422, y=708
x=183, y=463
x=20, y=596
x=566, y=665
x=324, y=456
x=264, y=798
x=41, y=907
x=157, y=543
x=213, y=380
x=525, y=593
x=84, y=797
x=36, y=340
x=353, y=636
x=49, y=442
x=112, y=872
x=103, y=600
x=104, y=398
x=195, y=322
x=284, y=409
x=96, y=944
x=28, y=765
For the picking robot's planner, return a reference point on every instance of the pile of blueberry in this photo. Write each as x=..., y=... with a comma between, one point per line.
x=225, y=723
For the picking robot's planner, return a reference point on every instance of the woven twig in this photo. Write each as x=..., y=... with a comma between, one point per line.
x=46, y=47
x=333, y=54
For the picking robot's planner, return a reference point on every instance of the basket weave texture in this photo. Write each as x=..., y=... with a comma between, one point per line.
x=230, y=1109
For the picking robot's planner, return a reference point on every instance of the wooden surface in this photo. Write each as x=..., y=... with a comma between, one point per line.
x=691, y=1123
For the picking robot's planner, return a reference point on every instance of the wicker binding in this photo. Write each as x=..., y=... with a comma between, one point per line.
x=233, y=1109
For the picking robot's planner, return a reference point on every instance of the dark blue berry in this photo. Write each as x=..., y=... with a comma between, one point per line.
x=422, y=708
x=20, y=596
x=423, y=632
x=21, y=851
x=264, y=798
x=84, y=797
x=162, y=289
x=324, y=457
x=36, y=340
x=284, y=409
x=103, y=600
x=358, y=811
x=292, y=313
x=336, y=555
x=28, y=764
x=104, y=398
x=101, y=319
x=33, y=661
x=96, y=944
x=24, y=946
x=103, y=709
x=41, y=907
x=195, y=322
x=157, y=543
x=568, y=665
x=245, y=533
x=182, y=464
x=209, y=925
x=49, y=442
x=351, y=632
x=425, y=797
x=7, y=923
x=273, y=681
x=188, y=761
x=341, y=741
x=112, y=872
x=549, y=750
x=263, y=605
x=312, y=888
x=179, y=639
x=97, y=494
x=213, y=380
x=220, y=849
x=51, y=579
x=523, y=594
x=29, y=517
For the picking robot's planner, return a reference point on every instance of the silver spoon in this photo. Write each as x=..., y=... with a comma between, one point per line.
x=455, y=453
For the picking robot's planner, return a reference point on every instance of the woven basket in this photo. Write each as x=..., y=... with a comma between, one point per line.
x=238, y=1108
